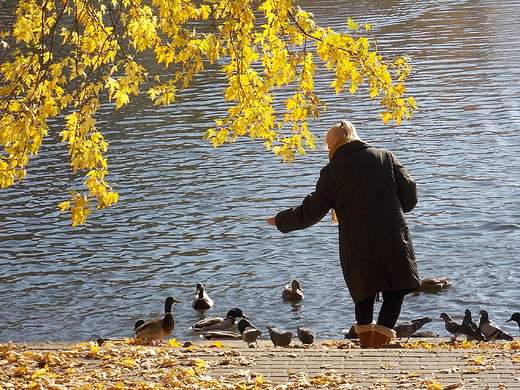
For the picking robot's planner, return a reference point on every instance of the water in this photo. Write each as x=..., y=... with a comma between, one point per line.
x=189, y=212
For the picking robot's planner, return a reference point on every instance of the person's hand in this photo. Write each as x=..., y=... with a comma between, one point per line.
x=271, y=221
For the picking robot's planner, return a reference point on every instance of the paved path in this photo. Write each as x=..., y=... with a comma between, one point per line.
x=328, y=364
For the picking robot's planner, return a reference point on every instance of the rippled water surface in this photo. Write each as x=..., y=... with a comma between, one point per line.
x=190, y=213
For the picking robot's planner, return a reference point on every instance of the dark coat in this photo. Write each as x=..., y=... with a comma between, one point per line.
x=370, y=191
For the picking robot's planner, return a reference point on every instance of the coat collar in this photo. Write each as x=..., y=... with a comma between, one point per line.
x=350, y=147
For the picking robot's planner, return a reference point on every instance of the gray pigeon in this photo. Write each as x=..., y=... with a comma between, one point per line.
x=250, y=333
x=407, y=328
x=452, y=326
x=470, y=328
x=306, y=335
x=491, y=330
x=279, y=338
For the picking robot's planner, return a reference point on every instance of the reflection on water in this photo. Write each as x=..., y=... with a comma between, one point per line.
x=190, y=213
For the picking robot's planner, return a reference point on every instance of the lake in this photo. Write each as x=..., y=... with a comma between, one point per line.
x=190, y=213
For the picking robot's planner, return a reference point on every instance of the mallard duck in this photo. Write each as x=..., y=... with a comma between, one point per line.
x=159, y=328
x=292, y=292
x=218, y=323
x=202, y=301
x=433, y=285
x=515, y=317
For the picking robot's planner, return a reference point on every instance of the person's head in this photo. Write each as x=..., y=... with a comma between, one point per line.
x=344, y=129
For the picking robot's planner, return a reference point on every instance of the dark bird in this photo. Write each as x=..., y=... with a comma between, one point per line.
x=407, y=328
x=292, y=292
x=219, y=323
x=306, y=335
x=433, y=285
x=201, y=301
x=491, y=330
x=452, y=326
x=249, y=332
x=515, y=317
x=159, y=328
x=470, y=328
x=279, y=338
x=138, y=324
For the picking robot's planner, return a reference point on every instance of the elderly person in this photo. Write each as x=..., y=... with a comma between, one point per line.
x=368, y=191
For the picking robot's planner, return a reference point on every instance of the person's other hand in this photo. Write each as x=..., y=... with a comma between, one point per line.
x=271, y=221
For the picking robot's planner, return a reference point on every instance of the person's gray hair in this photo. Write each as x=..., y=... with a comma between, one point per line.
x=344, y=129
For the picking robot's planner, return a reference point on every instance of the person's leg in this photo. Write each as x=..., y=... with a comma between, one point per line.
x=390, y=309
x=364, y=311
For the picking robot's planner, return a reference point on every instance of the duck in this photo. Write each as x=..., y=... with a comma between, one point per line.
x=219, y=323
x=292, y=292
x=202, y=301
x=433, y=285
x=228, y=334
x=515, y=317
x=159, y=328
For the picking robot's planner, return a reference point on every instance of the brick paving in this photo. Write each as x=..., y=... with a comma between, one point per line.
x=333, y=364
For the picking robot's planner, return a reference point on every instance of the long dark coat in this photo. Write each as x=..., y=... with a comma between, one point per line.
x=370, y=191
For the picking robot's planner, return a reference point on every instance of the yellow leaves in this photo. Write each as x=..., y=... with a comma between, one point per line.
x=269, y=55
x=174, y=343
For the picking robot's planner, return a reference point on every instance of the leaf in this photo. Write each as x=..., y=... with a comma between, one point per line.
x=351, y=25
x=174, y=343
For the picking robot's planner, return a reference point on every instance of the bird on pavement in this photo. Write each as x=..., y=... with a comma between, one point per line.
x=159, y=328
x=515, y=317
x=470, y=328
x=306, y=335
x=219, y=323
x=452, y=326
x=278, y=337
x=249, y=332
x=292, y=292
x=407, y=328
x=491, y=330
x=202, y=301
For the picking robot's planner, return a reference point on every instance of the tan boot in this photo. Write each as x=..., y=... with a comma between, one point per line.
x=364, y=333
x=381, y=335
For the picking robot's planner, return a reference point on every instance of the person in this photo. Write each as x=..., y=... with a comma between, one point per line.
x=368, y=191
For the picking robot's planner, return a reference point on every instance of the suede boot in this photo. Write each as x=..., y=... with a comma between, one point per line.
x=381, y=335
x=364, y=333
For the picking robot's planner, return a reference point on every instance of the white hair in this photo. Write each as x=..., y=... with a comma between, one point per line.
x=344, y=129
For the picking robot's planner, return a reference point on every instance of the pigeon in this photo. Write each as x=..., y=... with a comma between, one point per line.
x=306, y=335
x=515, y=317
x=452, y=326
x=249, y=333
x=292, y=292
x=202, y=301
x=491, y=330
x=160, y=328
x=279, y=338
x=470, y=328
x=407, y=328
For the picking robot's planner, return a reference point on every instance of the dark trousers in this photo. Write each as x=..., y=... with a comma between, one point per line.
x=389, y=313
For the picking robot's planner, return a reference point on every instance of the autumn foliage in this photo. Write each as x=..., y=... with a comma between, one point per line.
x=68, y=57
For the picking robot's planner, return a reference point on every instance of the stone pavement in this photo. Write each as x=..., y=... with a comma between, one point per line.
x=427, y=364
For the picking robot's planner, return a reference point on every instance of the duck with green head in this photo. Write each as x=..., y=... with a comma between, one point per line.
x=515, y=317
x=219, y=323
x=159, y=328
